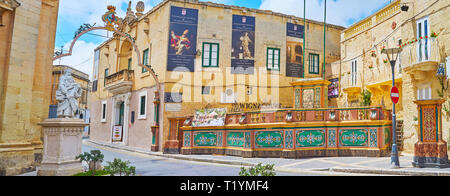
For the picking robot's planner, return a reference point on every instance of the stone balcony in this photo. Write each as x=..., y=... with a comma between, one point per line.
x=422, y=60
x=120, y=82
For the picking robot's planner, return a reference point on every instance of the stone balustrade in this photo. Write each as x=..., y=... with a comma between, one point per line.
x=331, y=132
x=120, y=82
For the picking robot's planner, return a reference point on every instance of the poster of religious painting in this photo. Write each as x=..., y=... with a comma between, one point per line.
x=209, y=117
x=333, y=88
x=243, y=45
x=182, y=39
x=308, y=98
x=294, y=50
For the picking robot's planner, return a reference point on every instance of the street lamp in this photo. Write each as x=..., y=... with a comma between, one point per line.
x=393, y=54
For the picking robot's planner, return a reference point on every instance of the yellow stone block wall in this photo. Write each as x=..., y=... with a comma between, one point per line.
x=379, y=79
x=26, y=85
x=438, y=15
x=215, y=25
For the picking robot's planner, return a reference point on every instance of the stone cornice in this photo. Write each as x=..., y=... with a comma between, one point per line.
x=8, y=5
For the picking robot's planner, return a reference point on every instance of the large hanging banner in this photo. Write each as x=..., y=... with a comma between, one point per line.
x=294, y=50
x=182, y=39
x=243, y=45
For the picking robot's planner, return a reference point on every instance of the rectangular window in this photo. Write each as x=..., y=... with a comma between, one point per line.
x=130, y=60
x=273, y=59
x=447, y=60
x=313, y=63
x=354, y=72
x=423, y=45
x=143, y=105
x=210, y=55
x=145, y=59
x=96, y=62
x=103, y=111
x=206, y=90
x=106, y=75
x=424, y=92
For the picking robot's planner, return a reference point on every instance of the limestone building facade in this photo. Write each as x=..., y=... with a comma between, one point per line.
x=421, y=29
x=27, y=34
x=206, y=55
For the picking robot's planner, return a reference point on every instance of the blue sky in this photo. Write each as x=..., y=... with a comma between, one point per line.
x=73, y=13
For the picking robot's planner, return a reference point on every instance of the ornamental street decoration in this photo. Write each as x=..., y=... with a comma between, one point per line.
x=111, y=19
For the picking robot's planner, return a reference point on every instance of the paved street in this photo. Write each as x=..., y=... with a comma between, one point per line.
x=147, y=165
x=158, y=164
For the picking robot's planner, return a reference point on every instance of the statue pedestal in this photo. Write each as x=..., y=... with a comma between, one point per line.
x=62, y=144
x=431, y=149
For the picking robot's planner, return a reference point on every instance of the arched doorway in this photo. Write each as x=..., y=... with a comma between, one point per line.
x=125, y=56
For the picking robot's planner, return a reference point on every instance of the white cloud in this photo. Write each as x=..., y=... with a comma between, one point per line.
x=339, y=12
x=87, y=11
x=82, y=58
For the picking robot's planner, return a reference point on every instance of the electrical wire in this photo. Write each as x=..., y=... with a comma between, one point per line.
x=389, y=36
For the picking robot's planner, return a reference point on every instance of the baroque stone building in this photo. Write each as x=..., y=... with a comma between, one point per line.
x=422, y=30
x=27, y=34
x=206, y=55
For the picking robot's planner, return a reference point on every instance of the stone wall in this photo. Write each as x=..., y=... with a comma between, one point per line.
x=214, y=25
x=394, y=26
x=26, y=84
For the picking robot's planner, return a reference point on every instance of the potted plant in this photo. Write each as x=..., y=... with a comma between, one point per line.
x=94, y=159
x=120, y=168
x=259, y=170
x=373, y=54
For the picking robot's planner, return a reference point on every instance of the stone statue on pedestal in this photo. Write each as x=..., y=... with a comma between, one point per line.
x=67, y=94
x=63, y=135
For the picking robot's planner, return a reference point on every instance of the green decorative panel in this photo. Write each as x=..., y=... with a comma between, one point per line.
x=236, y=139
x=269, y=139
x=205, y=139
x=387, y=136
x=310, y=138
x=353, y=138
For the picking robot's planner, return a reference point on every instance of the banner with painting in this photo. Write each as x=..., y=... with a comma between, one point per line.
x=294, y=50
x=182, y=39
x=209, y=117
x=333, y=88
x=243, y=45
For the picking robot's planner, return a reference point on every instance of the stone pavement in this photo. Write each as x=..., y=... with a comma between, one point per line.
x=325, y=165
x=321, y=166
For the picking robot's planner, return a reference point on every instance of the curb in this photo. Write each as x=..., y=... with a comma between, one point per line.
x=325, y=171
x=206, y=160
x=389, y=172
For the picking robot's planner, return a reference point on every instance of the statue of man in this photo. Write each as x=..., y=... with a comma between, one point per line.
x=67, y=94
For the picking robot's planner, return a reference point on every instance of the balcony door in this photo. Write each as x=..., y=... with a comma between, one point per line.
x=423, y=45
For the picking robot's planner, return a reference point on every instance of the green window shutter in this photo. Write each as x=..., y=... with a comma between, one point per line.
x=145, y=60
x=104, y=111
x=313, y=63
x=129, y=63
x=210, y=55
x=273, y=59
x=142, y=109
x=106, y=75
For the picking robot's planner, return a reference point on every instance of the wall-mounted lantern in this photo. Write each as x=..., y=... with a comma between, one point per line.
x=404, y=7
